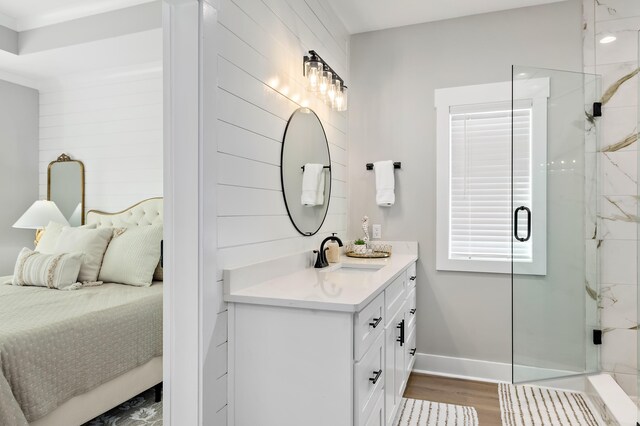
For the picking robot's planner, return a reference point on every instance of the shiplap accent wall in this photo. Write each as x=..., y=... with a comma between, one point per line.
x=260, y=84
x=112, y=122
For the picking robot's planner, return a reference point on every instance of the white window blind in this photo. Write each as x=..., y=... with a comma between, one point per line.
x=480, y=180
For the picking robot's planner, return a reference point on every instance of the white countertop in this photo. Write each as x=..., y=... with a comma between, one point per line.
x=334, y=288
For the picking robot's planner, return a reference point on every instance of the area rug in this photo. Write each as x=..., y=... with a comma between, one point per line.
x=138, y=411
x=414, y=412
x=523, y=405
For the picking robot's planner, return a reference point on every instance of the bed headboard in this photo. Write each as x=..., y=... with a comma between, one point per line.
x=146, y=212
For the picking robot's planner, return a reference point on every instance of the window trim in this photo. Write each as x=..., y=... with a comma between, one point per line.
x=537, y=90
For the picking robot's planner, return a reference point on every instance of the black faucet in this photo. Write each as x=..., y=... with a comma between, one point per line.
x=321, y=261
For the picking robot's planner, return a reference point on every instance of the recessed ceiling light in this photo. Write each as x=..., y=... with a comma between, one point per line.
x=608, y=38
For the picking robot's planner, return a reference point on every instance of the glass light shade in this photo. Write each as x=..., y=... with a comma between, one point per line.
x=39, y=215
x=334, y=88
x=325, y=81
x=313, y=70
x=340, y=102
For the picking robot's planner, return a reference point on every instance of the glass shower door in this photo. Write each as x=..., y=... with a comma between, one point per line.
x=554, y=207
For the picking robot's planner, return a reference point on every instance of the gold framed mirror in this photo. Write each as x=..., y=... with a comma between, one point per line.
x=65, y=187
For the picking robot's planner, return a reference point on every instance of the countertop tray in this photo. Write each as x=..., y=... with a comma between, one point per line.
x=372, y=255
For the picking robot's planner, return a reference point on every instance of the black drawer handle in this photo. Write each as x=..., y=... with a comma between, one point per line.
x=375, y=322
x=413, y=352
x=412, y=311
x=412, y=278
x=401, y=328
x=375, y=378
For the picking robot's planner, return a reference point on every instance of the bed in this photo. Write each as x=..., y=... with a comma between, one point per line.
x=68, y=356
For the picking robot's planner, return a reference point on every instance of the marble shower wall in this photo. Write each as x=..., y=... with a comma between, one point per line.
x=617, y=62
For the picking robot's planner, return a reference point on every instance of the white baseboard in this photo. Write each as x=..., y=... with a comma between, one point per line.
x=463, y=368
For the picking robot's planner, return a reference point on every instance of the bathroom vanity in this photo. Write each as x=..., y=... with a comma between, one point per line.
x=331, y=346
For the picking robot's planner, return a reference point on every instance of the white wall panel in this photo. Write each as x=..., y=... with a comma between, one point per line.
x=242, y=172
x=246, y=144
x=112, y=122
x=260, y=84
x=239, y=201
x=243, y=114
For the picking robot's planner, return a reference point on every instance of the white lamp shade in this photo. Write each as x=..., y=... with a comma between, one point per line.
x=39, y=215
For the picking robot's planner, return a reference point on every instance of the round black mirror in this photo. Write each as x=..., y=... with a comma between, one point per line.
x=305, y=171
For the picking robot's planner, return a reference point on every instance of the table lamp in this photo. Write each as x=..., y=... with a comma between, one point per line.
x=39, y=215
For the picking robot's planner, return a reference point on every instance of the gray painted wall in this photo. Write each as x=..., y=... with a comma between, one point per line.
x=8, y=40
x=393, y=77
x=18, y=167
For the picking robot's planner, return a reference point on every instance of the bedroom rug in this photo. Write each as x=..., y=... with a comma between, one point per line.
x=523, y=405
x=414, y=412
x=138, y=411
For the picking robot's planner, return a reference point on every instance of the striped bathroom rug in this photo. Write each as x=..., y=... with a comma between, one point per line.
x=414, y=412
x=523, y=405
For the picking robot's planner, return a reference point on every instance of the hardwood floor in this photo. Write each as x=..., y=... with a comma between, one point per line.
x=480, y=395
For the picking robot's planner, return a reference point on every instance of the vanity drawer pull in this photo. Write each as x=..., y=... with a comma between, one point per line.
x=412, y=311
x=401, y=338
x=412, y=278
x=375, y=378
x=375, y=322
x=413, y=352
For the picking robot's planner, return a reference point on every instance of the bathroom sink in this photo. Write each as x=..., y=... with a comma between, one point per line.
x=356, y=269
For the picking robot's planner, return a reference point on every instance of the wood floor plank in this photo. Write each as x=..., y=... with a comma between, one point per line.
x=480, y=395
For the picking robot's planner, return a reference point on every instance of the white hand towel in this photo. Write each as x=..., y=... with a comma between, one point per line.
x=310, y=184
x=385, y=183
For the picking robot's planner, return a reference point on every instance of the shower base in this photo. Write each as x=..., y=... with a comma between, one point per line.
x=613, y=404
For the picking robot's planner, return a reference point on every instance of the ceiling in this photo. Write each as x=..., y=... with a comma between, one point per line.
x=111, y=55
x=21, y=15
x=370, y=15
x=136, y=50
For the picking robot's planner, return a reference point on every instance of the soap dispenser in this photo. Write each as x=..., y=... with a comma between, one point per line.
x=333, y=251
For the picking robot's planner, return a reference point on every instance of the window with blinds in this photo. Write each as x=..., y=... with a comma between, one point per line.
x=480, y=207
x=475, y=160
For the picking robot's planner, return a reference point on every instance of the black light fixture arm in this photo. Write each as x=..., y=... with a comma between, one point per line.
x=313, y=56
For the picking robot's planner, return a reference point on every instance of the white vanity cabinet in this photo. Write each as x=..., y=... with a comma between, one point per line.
x=400, y=338
x=293, y=365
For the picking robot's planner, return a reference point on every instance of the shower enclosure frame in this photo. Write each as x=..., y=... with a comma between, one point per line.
x=555, y=317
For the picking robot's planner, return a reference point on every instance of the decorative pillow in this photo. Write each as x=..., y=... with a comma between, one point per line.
x=132, y=256
x=47, y=270
x=49, y=238
x=92, y=242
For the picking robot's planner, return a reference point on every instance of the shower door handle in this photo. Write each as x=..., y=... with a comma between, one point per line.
x=515, y=223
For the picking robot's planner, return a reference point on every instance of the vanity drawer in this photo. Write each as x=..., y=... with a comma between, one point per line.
x=394, y=296
x=410, y=355
x=369, y=380
x=411, y=276
x=377, y=415
x=369, y=323
x=410, y=316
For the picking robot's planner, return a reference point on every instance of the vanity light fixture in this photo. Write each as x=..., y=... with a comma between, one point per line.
x=324, y=81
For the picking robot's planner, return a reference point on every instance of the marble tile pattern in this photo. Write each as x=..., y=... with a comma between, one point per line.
x=617, y=224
